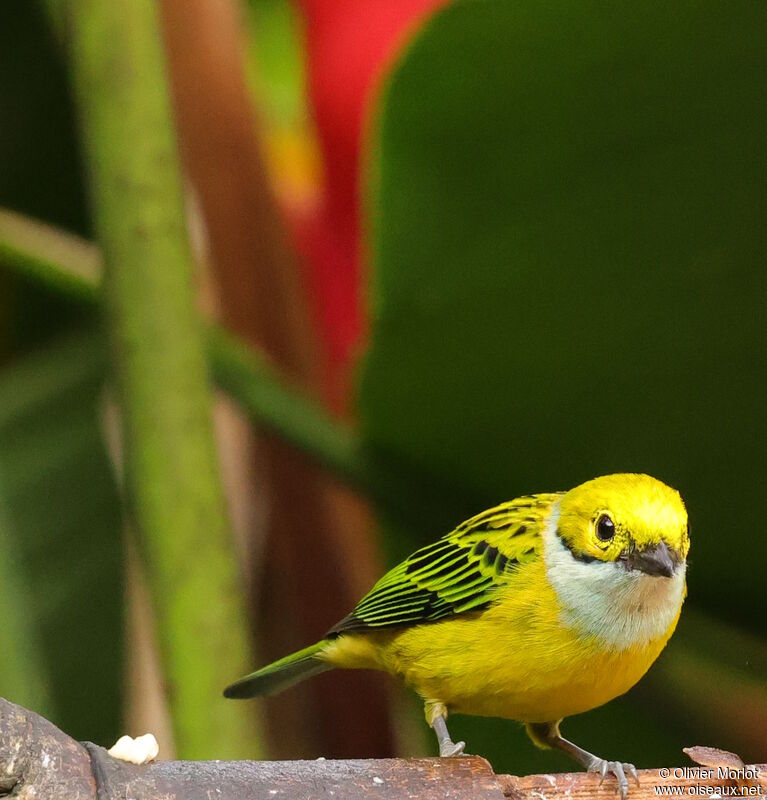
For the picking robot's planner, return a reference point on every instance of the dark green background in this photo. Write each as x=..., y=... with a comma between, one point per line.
x=567, y=204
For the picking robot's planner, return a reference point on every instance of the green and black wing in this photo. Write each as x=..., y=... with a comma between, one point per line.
x=461, y=572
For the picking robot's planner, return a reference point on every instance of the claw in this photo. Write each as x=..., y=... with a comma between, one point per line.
x=618, y=769
x=448, y=749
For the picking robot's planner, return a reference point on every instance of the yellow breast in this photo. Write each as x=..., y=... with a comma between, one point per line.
x=524, y=658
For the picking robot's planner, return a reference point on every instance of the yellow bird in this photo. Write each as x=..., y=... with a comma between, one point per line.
x=542, y=607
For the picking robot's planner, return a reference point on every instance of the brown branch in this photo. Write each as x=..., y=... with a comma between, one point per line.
x=38, y=760
x=36, y=754
x=688, y=781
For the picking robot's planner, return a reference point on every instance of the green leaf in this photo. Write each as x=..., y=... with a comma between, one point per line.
x=60, y=543
x=23, y=676
x=567, y=205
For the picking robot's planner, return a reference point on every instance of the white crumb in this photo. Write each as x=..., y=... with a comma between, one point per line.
x=378, y=780
x=140, y=750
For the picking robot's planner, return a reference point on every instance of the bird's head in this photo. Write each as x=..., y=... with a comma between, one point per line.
x=634, y=521
x=616, y=555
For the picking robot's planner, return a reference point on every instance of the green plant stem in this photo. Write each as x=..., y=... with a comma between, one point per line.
x=158, y=350
x=58, y=260
x=246, y=375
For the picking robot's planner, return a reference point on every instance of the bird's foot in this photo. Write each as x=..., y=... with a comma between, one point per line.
x=448, y=748
x=617, y=768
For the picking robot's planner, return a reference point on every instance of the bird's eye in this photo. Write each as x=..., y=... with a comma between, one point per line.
x=605, y=528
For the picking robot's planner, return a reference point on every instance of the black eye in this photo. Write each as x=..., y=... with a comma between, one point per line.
x=605, y=528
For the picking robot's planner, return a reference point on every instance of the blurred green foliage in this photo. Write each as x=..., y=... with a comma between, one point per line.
x=61, y=536
x=567, y=207
x=41, y=174
x=61, y=547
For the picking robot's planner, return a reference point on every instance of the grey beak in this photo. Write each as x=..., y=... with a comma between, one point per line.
x=656, y=560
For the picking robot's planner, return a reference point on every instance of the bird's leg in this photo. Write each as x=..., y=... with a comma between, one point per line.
x=547, y=734
x=447, y=747
x=436, y=714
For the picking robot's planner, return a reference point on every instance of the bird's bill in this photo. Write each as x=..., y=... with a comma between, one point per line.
x=659, y=560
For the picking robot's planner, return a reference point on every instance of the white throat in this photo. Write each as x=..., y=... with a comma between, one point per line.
x=621, y=608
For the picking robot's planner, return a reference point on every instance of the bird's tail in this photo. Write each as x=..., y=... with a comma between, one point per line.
x=281, y=674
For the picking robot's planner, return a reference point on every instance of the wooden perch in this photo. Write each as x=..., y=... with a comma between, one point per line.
x=37, y=760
